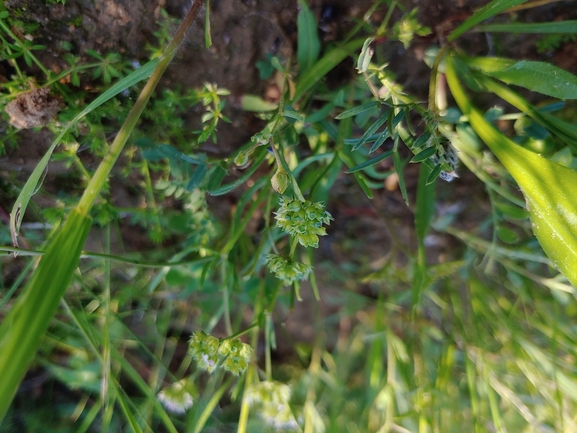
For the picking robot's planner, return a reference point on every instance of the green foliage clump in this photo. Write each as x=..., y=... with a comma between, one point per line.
x=420, y=335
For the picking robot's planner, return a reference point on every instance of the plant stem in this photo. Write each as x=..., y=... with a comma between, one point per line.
x=101, y=175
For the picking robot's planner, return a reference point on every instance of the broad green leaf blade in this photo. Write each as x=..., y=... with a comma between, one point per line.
x=558, y=27
x=32, y=183
x=27, y=321
x=536, y=76
x=492, y=9
x=309, y=45
x=548, y=187
x=324, y=66
x=370, y=162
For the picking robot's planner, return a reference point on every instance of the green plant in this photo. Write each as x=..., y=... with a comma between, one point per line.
x=480, y=337
x=24, y=326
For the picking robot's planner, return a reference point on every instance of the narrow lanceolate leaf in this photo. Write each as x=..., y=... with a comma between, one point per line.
x=557, y=27
x=536, y=76
x=548, y=187
x=309, y=44
x=370, y=162
x=357, y=110
x=372, y=129
x=492, y=9
x=424, y=154
x=26, y=323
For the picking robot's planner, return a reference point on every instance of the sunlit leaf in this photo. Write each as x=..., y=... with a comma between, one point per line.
x=538, y=77
x=548, y=187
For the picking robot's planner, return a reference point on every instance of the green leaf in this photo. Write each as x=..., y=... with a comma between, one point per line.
x=565, y=131
x=167, y=151
x=358, y=176
x=434, y=174
x=363, y=184
x=372, y=129
x=422, y=140
x=24, y=326
x=536, y=76
x=379, y=141
x=492, y=9
x=548, y=187
x=561, y=27
x=424, y=154
x=197, y=177
x=291, y=114
x=512, y=211
x=357, y=110
x=507, y=235
x=216, y=178
x=366, y=55
x=399, y=170
x=370, y=162
x=324, y=66
x=256, y=103
x=309, y=45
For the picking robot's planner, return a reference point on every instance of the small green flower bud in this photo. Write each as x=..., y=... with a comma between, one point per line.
x=280, y=181
x=287, y=271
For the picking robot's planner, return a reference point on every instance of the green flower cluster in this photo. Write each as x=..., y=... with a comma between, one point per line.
x=236, y=356
x=271, y=401
x=286, y=270
x=209, y=353
x=303, y=220
x=203, y=349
